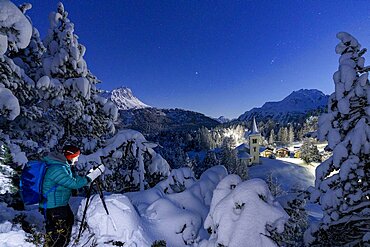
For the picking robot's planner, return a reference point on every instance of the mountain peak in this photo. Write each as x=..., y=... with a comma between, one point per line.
x=293, y=107
x=222, y=119
x=124, y=98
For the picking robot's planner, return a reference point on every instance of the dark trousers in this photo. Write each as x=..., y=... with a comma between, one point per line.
x=59, y=222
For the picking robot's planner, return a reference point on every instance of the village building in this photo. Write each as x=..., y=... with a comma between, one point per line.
x=266, y=151
x=297, y=154
x=243, y=154
x=282, y=152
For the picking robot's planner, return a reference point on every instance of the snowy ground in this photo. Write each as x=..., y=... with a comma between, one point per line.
x=291, y=174
x=174, y=211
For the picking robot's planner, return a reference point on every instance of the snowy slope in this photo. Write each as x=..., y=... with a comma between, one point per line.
x=124, y=99
x=222, y=119
x=287, y=173
x=293, y=107
x=290, y=174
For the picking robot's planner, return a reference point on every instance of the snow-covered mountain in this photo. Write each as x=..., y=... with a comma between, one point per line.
x=222, y=119
x=124, y=99
x=292, y=108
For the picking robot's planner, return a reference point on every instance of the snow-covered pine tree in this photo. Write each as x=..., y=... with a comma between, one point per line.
x=209, y=161
x=283, y=135
x=309, y=151
x=229, y=159
x=311, y=124
x=291, y=134
x=71, y=94
x=204, y=139
x=272, y=137
x=64, y=55
x=174, y=155
x=342, y=182
x=300, y=134
x=131, y=163
x=21, y=117
x=30, y=58
x=295, y=227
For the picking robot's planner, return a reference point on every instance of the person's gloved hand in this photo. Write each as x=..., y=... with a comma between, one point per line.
x=94, y=173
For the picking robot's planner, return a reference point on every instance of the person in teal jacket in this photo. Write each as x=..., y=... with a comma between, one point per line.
x=59, y=181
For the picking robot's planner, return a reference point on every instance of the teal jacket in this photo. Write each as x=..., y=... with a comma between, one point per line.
x=59, y=173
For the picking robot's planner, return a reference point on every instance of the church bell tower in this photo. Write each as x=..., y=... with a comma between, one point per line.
x=254, y=143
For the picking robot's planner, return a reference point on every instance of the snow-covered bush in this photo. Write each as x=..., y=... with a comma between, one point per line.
x=11, y=224
x=342, y=182
x=140, y=218
x=240, y=212
x=273, y=185
x=131, y=162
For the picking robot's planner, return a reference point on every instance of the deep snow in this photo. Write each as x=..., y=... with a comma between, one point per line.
x=175, y=210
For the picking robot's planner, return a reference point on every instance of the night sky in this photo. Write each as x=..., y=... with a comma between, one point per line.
x=214, y=57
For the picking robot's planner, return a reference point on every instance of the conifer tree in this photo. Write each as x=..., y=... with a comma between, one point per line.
x=309, y=151
x=30, y=58
x=342, y=182
x=291, y=134
x=22, y=121
x=71, y=87
x=296, y=225
x=272, y=137
x=229, y=159
x=283, y=135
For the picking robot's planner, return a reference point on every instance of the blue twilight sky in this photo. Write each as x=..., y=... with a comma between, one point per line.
x=214, y=57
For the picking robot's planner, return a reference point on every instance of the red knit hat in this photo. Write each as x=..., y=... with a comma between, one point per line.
x=71, y=152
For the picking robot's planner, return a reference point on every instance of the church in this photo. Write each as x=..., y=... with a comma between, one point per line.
x=249, y=152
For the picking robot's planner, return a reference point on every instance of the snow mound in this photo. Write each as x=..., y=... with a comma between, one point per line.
x=9, y=105
x=16, y=30
x=239, y=214
x=140, y=218
x=180, y=202
x=122, y=224
x=12, y=237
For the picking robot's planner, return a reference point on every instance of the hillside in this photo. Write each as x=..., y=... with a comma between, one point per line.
x=293, y=108
x=153, y=120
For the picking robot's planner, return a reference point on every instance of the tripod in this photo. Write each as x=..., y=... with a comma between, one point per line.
x=97, y=184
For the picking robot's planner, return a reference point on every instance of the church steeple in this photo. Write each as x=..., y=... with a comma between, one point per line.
x=254, y=128
x=254, y=143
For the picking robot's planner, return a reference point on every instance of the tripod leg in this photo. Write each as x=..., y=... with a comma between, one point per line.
x=85, y=210
x=101, y=196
